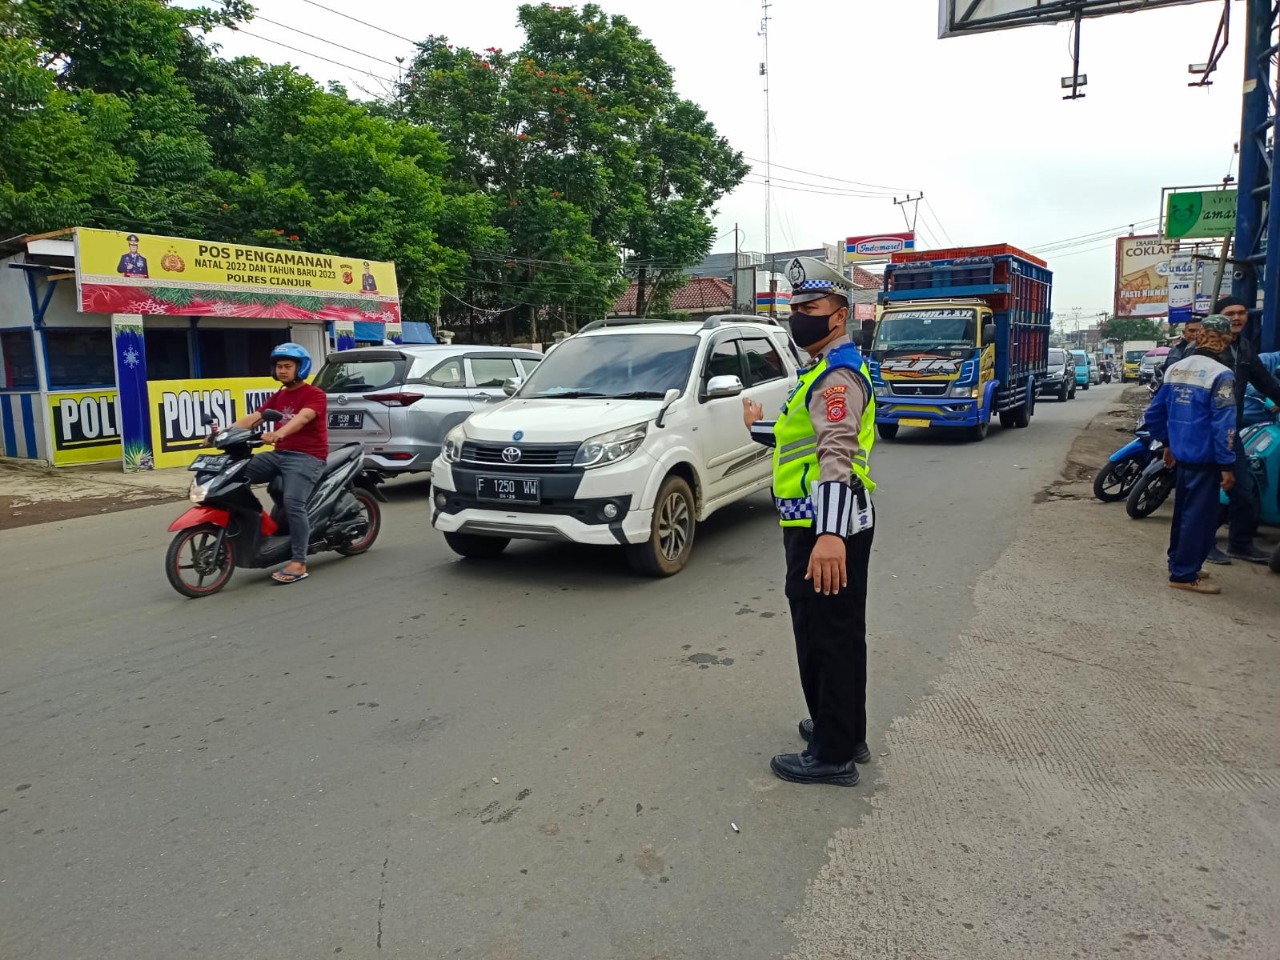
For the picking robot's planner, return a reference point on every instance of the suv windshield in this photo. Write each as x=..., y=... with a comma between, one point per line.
x=632, y=365
x=356, y=374
x=928, y=328
x=1057, y=358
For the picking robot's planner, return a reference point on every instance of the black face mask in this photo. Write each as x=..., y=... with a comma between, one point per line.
x=808, y=328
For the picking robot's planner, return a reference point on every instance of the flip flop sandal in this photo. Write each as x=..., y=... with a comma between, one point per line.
x=284, y=576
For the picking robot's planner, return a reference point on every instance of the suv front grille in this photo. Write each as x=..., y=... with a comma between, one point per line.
x=532, y=455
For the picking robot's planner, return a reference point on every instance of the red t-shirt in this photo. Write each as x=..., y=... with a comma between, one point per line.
x=314, y=437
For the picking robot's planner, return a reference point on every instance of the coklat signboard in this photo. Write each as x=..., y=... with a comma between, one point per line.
x=877, y=246
x=130, y=273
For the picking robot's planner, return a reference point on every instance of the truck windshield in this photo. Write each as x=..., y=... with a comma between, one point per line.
x=951, y=327
x=1133, y=356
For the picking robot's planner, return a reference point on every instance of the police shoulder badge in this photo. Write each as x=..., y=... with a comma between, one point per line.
x=835, y=400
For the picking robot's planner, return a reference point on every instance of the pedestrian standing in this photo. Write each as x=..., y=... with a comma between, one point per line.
x=822, y=489
x=1245, y=509
x=1186, y=346
x=1193, y=414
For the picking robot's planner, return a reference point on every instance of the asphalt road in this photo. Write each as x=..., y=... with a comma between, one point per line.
x=304, y=771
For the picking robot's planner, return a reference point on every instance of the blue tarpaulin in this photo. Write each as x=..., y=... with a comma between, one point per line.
x=367, y=330
x=416, y=331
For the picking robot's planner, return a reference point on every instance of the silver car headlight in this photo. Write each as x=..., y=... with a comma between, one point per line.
x=610, y=447
x=453, y=441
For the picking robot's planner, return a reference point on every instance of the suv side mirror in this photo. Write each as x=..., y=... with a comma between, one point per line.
x=988, y=332
x=671, y=397
x=512, y=385
x=723, y=386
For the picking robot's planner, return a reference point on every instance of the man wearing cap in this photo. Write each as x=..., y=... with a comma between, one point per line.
x=133, y=264
x=1193, y=414
x=1246, y=507
x=821, y=486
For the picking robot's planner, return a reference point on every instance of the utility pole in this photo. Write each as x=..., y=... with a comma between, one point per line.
x=915, y=210
x=768, y=136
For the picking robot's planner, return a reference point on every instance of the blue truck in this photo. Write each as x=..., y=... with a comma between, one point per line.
x=963, y=335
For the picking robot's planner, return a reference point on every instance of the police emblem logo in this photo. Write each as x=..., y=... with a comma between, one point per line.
x=795, y=273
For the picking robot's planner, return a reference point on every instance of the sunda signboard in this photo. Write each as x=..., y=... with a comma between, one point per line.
x=877, y=246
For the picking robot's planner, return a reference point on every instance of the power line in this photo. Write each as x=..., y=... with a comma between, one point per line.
x=307, y=53
x=363, y=23
x=823, y=176
x=827, y=186
x=332, y=43
x=821, y=193
x=938, y=220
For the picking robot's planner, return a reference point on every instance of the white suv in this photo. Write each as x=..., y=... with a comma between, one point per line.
x=629, y=432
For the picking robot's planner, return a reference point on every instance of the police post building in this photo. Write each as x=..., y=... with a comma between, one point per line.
x=115, y=346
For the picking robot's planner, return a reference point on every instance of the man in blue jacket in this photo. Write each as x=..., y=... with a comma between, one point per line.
x=1255, y=404
x=1194, y=415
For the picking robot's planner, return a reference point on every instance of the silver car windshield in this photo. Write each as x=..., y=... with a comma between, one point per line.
x=632, y=366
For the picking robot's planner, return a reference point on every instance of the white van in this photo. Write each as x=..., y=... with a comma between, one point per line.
x=629, y=432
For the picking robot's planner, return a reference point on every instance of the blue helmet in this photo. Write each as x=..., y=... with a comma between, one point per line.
x=294, y=351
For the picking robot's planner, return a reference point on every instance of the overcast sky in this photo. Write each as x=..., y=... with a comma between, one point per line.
x=864, y=91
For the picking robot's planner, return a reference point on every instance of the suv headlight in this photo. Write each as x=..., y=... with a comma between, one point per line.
x=610, y=447
x=453, y=444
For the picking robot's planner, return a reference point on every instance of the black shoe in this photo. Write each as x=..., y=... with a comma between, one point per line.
x=805, y=768
x=1218, y=557
x=1250, y=553
x=861, y=753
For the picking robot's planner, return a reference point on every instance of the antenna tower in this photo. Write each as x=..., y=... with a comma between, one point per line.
x=768, y=135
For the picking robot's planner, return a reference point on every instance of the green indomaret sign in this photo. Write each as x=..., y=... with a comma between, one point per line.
x=1200, y=214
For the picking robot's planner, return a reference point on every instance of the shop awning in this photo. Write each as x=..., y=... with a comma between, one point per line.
x=415, y=331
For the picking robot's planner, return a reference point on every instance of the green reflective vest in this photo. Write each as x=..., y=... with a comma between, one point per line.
x=795, y=449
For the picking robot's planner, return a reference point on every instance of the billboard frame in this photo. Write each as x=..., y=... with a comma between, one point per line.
x=956, y=18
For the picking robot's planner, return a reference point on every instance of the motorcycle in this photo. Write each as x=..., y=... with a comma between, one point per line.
x=1261, y=443
x=1151, y=490
x=228, y=528
x=1125, y=466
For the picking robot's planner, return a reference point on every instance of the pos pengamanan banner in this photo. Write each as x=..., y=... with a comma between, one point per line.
x=178, y=408
x=132, y=273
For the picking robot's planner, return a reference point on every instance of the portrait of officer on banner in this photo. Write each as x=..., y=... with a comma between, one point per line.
x=367, y=283
x=133, y=264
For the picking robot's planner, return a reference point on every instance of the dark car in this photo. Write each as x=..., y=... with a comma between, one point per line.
x=1060, y=379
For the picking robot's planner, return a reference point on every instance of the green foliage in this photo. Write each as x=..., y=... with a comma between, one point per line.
x=1133, y=328
x=540, y=179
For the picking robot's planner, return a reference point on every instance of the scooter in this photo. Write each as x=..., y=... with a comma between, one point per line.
x=1125, y=466
x=1261, y=443
x=1151, y=490
x=228, y=528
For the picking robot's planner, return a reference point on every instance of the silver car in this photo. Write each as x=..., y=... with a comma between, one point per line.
x=401, y=401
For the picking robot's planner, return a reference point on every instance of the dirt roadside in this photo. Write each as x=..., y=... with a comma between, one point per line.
x=30, y=493
x=1095, y=772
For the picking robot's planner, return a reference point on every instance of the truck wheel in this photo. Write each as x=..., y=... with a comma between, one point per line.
x=671, y=532
x=1006, y=419
x=1022, y=416
x=475, y=547
x=979, y=433
x=887, y=431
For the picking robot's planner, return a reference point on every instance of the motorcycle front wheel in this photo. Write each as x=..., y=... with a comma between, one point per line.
x=191, y=566
x=1149, y=493
x=1116, y=479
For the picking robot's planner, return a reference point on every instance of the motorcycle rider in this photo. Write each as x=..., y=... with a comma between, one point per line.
x=301, y=442
x=1193, y=415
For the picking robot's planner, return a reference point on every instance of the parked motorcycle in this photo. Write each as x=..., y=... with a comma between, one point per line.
x=228, y=528
x=1125, y=466
x=1151, y=490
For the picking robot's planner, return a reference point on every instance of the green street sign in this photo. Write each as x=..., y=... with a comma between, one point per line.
x=1200, y=214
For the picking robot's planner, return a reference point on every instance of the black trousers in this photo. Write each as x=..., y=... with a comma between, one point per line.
x=831, y=645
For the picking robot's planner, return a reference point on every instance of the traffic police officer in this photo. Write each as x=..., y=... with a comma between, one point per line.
x=822, y=486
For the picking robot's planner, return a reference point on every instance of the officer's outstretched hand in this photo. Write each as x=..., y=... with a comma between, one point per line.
x=827, y=565
x=751, y=411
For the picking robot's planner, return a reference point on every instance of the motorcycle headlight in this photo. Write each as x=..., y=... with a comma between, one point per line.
x=453, y=444
x=610, y=447
x=198, y=491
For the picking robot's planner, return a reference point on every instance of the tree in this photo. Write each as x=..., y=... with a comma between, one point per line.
x=597, y=168
x=1132, y=328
